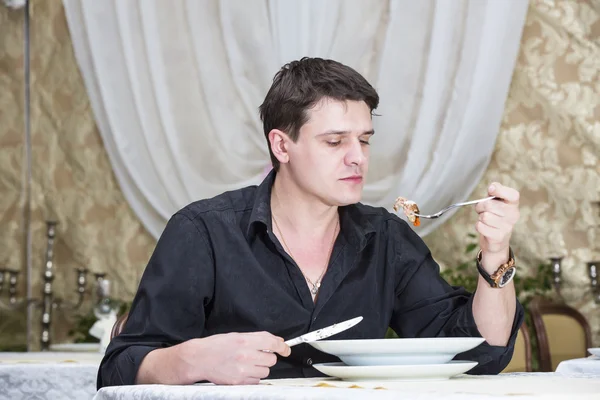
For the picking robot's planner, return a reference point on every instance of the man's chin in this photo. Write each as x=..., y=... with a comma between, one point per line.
x=347, y=200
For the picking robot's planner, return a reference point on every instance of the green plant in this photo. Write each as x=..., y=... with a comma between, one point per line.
x=17, y=348
x=464, y=274
x=84, y=321
x=80, y=331
x=391, y=334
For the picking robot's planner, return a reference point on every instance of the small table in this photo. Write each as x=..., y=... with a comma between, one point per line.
x=589, y=365
x=48, y=375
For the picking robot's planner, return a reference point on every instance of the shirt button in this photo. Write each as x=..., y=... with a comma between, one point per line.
x=309, y=361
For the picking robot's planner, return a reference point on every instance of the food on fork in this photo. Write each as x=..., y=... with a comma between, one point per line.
x=410, y=208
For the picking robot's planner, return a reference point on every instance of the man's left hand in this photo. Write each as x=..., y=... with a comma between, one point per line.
x=496, y=220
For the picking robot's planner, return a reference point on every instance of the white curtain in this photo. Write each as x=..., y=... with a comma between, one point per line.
x=175, y=86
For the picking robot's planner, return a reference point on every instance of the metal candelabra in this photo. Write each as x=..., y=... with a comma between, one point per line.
x=593, y=268
x=47, y=303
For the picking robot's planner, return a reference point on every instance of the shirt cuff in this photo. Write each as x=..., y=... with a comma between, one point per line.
x=491, y=359
x=127, y=364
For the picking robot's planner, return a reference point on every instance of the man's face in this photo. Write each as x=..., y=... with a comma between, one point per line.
x=331, y=156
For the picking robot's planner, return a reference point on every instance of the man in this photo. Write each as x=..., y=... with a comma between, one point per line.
x=233, y=276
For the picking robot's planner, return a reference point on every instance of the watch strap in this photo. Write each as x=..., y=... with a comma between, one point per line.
x=495, y=279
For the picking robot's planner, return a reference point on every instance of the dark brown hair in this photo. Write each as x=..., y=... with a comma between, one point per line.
x=299, y=85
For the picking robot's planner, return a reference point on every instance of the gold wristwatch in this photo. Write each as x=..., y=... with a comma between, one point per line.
x=503, y=275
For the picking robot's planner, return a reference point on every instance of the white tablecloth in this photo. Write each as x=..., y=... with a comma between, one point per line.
x=48, y=375
x=512, y=386
x=589, y=365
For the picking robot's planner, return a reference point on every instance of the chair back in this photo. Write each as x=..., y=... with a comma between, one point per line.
x=521, y=359
x=562, y=333
x=118, y=326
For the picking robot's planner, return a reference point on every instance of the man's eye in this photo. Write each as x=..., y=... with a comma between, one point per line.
x=332, y=144
x=365, y=142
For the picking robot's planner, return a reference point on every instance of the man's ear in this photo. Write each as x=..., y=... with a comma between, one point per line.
x=278, y=140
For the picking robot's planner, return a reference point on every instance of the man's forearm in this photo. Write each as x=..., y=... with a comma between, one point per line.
x=494, y=308
x=162, y=366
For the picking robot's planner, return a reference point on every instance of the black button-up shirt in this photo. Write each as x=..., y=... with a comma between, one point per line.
x=219, y=268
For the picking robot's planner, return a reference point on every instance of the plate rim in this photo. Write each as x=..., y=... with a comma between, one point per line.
x=345, y=366
x=420, y=372
x=397, y=346
x=439, y=339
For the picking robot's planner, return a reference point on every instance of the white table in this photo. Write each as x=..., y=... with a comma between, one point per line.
x=589, y=365
x=48, y=375
x=510, y=386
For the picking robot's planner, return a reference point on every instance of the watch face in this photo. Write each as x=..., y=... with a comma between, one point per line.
x=507, y=277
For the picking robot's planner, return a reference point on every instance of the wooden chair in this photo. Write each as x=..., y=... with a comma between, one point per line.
x=521, y=359
x=118, y=326
x=562, y=333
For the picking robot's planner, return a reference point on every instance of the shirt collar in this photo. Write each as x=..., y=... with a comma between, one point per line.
x=261, y=209
x=354, y=224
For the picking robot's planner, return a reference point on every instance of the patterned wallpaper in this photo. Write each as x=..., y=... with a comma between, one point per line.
x=548, y=148
x=72, y=178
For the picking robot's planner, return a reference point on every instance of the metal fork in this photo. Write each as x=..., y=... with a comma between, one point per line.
x=466, y=203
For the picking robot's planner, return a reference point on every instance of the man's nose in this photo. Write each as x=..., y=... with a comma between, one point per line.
x=356, y=154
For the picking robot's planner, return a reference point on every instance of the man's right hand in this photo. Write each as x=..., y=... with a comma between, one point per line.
x=225, y=359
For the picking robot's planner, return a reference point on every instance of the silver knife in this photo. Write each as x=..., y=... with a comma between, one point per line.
x=324, y=332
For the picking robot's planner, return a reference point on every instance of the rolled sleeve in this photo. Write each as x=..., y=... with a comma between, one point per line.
x=121, y=368
x=490, y=359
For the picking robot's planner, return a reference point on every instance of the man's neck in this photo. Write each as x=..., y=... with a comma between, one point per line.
x=304, y=214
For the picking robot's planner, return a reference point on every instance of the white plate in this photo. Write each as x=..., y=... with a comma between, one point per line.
x=77, y=347
x=595, y=351
x=396, y=372
x=410, y=351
